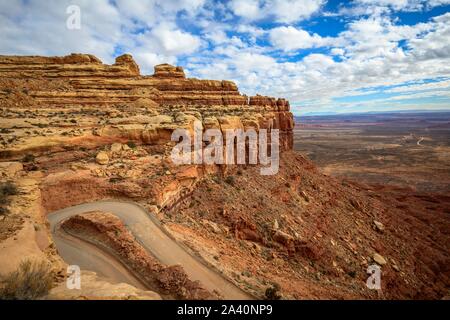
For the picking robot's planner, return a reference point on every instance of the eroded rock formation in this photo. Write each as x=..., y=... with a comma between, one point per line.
x=78, y=96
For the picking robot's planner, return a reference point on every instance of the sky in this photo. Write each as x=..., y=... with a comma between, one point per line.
x=324, y=56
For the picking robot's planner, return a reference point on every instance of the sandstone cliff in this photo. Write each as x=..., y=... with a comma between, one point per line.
x=78, y=96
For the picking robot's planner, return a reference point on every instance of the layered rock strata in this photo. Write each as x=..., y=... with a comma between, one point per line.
x=77, y=96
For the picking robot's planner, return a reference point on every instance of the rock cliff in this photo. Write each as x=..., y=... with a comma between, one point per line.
x=79, y=96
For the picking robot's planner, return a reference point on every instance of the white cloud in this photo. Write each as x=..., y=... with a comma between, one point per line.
x=396, y=4
x=371, y=55
x=37, y=27
x=369, y=7
x=435, y=44
x=151, y=11
x=337, y=51
x=284, y=11
x=295, y=10
x=440, y=85
x=174, y=41
x=291, y=38
x=249, y=9
x=147, y=60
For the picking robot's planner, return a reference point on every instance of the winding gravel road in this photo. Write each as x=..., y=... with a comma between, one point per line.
x=147, y=231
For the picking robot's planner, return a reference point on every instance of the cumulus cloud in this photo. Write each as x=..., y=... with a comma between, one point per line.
x=291, y=38
x=285, y=11
x=172, y=41
x=37, y=27
x=374, y=51
x=146, y=28
x=367, y=7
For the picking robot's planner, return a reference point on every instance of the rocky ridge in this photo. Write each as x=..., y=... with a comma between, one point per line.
x=77, y=97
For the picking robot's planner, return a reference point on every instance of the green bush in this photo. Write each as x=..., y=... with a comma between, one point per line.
x=30, y=281
x=273, y=292
x=131, y=144
x=6, y=189
x=9, y=189
x=229, y=180
x=28, y=158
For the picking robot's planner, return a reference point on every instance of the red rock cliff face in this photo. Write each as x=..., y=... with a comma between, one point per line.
x=116, y=100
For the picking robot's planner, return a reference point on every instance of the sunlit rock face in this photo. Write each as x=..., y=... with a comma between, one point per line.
x=77, y=96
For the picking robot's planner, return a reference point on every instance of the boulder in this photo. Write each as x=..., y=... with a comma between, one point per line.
x=379, y=259
x=116, y=147
x=102, y=158
x=378, y=226
x=283, y=238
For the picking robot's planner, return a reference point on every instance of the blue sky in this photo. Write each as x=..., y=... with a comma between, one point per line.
x=324, y=56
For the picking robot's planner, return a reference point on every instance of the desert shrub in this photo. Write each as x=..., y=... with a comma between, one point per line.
x=7, y=189
x=273, y=292
x=131, y=144
x=229, y=180
x=115, y=179
x=28, y=158
x=30, y=281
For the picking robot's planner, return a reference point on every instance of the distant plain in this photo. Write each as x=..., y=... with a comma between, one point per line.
x=395, y=149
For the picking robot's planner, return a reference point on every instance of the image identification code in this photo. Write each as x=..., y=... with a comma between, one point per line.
x=232, y=309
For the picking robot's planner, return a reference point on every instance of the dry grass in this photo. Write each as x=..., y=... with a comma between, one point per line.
x=7, y=189
x=30, y=281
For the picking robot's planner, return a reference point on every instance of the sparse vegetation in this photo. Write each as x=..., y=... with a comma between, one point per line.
x=115, y=179
x=230, y=180
x=5, y=130
x=273, y=292
x=32, y=280
x=131, y=144
x=28, y=158
x=7, y=189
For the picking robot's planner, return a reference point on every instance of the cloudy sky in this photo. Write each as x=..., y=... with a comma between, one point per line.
x=324, y=56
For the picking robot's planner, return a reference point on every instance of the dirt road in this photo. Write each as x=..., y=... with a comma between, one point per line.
x=147, y=231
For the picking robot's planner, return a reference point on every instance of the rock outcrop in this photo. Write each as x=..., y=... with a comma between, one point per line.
x=81, y=97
